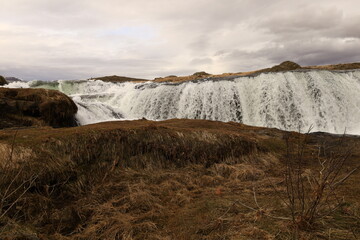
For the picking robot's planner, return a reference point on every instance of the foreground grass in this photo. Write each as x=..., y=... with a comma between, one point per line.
x=187, y=203
x=146, y=184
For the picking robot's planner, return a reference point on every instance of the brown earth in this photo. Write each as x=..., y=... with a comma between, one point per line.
x=36, y=107
x=175, y=179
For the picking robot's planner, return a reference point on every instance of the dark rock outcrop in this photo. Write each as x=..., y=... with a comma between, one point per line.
x=35, y=107
x=2, y=81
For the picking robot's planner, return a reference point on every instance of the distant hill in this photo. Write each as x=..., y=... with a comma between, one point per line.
x=13, y=79
x=345, y=66
x=115, y=78
x=284, y=66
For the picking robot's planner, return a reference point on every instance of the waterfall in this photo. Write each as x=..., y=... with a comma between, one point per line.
x=327, y=100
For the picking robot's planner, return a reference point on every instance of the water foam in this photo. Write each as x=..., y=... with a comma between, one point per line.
x=327, y=100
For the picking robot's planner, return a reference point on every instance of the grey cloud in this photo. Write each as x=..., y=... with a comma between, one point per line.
x=312, y=52
x=67, y=39
x=41, y=73
x=201, y=61
x=200, y=44
x=308, y=19
x=83, y=68
x=312, y=22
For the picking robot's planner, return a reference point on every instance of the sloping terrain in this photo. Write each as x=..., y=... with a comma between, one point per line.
x=176, y=179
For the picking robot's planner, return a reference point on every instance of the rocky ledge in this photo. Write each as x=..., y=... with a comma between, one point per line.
x=36, y=107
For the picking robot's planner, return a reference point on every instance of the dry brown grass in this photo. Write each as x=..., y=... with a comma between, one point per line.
x=178, y=179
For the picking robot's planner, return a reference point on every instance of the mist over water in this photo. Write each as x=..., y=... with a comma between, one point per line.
x=327, y=100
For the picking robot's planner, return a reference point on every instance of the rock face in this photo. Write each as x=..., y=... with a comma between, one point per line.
x=2, y=81
x=36, y=107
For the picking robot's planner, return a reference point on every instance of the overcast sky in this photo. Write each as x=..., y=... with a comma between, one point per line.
x=79, y=39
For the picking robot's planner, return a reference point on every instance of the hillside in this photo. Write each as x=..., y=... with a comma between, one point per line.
x=284, y=66
x=175, y=179
x=115, y=78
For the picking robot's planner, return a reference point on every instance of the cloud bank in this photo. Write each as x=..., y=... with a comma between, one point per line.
x=48, y=40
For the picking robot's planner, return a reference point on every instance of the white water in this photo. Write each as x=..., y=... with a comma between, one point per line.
x=329, y=101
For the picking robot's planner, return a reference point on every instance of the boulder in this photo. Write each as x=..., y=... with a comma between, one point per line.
x=36, y=107
x=2, y=81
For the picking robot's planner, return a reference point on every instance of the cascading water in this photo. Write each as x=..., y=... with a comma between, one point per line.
x=327, y=100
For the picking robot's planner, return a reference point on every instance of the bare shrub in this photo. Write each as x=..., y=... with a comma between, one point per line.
x=311, y=177
x=311, y=194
